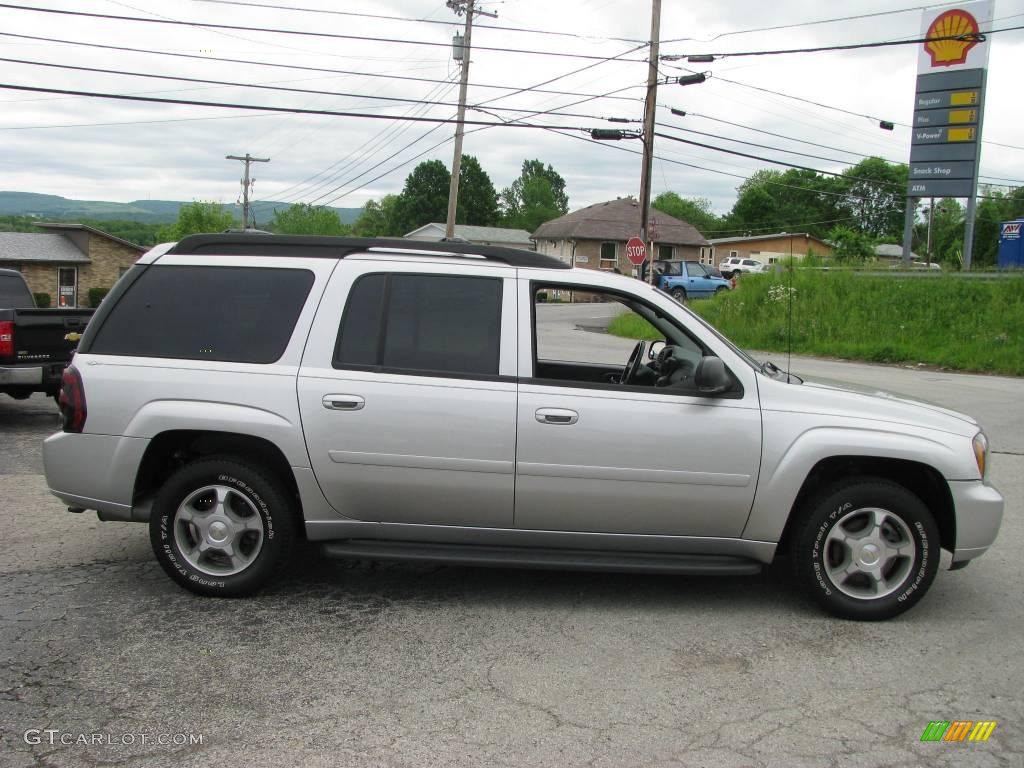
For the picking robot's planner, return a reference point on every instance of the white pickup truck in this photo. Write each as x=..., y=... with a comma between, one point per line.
x=408, y=400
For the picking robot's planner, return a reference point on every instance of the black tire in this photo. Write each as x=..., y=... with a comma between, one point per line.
x=679, y=295
x=719, y=289
x=822, y=545
x=257, y=500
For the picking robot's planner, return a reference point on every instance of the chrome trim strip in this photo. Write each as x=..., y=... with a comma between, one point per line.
x=629, y=474
x=405, y=461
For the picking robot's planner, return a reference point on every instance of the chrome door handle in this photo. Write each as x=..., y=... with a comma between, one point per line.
x=557, y=416
x=343, y=402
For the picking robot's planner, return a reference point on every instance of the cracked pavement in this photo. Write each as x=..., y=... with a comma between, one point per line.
x=367, y=664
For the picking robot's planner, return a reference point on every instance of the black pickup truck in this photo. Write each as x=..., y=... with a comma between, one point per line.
x=35, y=344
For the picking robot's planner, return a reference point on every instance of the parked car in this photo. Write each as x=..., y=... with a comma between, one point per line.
x=734, y=265
x=398, y=400
x=34, y=343
x=687, y=279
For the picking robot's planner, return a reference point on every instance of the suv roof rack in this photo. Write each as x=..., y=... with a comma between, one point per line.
x=253, y=244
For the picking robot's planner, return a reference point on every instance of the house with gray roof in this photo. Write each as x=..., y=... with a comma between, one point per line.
x=66, y=260
x=595, y=237
x=510, y=238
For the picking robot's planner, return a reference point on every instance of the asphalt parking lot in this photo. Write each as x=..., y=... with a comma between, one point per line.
x=366, y=664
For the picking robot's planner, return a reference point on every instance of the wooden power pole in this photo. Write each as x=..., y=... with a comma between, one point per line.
x=246, y=183
x=648, y=137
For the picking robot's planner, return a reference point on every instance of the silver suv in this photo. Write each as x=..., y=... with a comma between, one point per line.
x=418, y=401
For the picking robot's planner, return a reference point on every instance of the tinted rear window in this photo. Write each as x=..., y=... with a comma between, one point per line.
x=429, y=323
x=232, y=314
x=14, y=294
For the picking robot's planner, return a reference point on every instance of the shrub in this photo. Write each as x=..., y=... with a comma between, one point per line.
x=42, y=300
x=96, y=296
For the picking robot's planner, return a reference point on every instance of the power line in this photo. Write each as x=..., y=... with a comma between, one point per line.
x=799, y=24
x=848, y=47
x=755, y=144
x=302, y=33
x=327, y=70
x=421, y=21
x=178, y=78
x=259, y=107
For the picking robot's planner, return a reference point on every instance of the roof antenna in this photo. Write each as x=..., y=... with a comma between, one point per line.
x=789, y=332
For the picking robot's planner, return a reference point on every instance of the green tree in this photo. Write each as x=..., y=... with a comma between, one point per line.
x=513, y=200
x=478, y=200
x=378, y=219
x=851, y=245
x=196, y=218
x=693, y=210
x=876, y=194
x=306, y=219
x=424, y=197
x=793, y=201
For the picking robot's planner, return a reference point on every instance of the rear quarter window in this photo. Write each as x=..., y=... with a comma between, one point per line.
x=229, y=314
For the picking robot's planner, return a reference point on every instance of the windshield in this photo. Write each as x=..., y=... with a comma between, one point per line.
x=14, y=294
x=746, y=358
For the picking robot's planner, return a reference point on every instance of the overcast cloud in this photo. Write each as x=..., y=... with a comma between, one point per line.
x=148, y=157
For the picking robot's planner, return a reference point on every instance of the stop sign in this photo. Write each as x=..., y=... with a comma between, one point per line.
x=636, y=251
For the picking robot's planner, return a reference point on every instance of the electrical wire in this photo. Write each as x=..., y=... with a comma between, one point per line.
x=328, y=70
x=257, y=107
x=236, y=84
x=848, y=47
x=476, y=25
x=302, y=33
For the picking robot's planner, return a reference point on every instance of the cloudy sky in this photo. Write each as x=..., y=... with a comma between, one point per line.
x=99, y=149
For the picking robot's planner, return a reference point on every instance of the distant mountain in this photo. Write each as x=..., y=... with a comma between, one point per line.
x=146, y=211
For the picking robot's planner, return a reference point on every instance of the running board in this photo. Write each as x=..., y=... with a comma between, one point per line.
x=555, y=559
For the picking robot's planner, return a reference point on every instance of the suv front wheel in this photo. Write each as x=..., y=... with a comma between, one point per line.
x=221, y=528
x=868, y=549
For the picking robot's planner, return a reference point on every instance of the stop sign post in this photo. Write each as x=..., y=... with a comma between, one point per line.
x=636, y=251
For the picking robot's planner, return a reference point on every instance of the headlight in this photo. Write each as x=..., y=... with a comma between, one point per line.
x=981, y=452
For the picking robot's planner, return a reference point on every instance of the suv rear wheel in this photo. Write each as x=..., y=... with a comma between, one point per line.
x=868, y=549
x=221, y=527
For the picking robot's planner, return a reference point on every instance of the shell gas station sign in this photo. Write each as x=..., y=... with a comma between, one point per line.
x=949, y=101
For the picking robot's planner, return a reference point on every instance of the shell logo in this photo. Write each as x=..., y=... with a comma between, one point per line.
x=952, y=23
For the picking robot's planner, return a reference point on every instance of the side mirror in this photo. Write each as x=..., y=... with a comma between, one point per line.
x=712, y=378
x=655, y=349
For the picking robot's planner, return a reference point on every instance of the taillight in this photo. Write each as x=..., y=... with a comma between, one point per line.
x=72, y=400
x=6, y=339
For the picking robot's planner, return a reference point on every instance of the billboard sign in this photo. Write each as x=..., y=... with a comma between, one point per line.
x=950, y=100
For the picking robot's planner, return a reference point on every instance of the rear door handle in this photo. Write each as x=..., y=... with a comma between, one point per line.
x=343, y=402
x=557, y=416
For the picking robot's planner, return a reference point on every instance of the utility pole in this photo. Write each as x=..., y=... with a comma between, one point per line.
x=246, y=184
x=461, y=53
x=649, y=108
x=928, y=244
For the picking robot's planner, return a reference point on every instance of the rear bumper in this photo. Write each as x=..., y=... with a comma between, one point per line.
x=94, y=471
x=979, y=512
x=21, y=375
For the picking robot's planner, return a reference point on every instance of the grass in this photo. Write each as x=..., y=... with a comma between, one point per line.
x=968, y=325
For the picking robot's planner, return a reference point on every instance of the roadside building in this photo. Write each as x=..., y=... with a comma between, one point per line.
x=510, y=238
x=769, y=249
x=67, y=260
x=595, y=237
x=892, y=253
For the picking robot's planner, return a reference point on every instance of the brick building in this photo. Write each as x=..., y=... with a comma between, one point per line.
x=595, y=237
x=67, y=260
x=768, y=249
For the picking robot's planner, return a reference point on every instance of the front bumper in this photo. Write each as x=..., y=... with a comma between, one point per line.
x=979, y=512
x=21, y=375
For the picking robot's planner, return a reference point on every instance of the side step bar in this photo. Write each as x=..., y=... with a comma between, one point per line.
x=555, y=559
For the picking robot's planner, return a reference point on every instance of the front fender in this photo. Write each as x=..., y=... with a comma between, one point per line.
x=790, y=453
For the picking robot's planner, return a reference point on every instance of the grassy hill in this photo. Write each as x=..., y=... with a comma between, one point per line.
x=142, y=211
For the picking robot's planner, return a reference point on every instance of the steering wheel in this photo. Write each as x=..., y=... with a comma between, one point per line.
x=636, y=359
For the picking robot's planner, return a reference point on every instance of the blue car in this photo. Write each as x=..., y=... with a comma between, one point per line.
x=688, y=279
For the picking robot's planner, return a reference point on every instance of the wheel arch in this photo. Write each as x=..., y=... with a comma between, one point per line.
x=169, y=450
x=921, y=479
